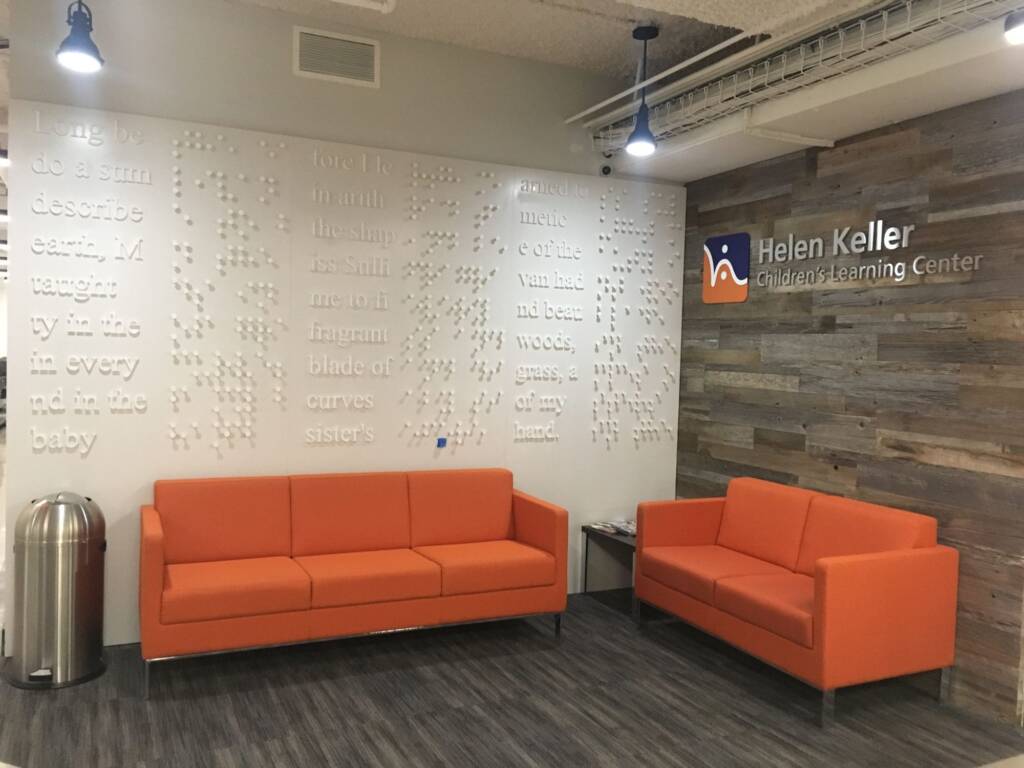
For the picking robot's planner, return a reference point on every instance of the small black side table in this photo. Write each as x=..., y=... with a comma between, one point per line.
x=619, y=538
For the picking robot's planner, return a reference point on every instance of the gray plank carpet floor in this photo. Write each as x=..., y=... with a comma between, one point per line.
x=606, y=693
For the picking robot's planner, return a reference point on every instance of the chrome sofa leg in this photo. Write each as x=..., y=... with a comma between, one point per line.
x=945, y=684
x=827, y=714
x=147, y=664
x=558, y=625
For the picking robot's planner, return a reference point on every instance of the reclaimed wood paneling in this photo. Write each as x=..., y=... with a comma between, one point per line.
x=910, y=395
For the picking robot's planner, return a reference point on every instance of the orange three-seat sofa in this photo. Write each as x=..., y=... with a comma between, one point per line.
x=236, y=563
x=833, y=591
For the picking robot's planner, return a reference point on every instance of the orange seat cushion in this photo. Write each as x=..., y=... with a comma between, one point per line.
x=780, y=603
x=459, y=506
x=359, y=578
x=224, y=518
x=764, y=520
x=349, y=513
x=694, y=570
x=489, y=566
x=838, y=526
x=230, y=588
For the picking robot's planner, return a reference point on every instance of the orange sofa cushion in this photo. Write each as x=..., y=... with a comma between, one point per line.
x=489, y=566
x=224, y=518
x=837, y=526
x=349, y=513
x=694, y=570
x=459, y=506
x=230, y=588
x=782, y=603
x=764, y=520
x=359, y=578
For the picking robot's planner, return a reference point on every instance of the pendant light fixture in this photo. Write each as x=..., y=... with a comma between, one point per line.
x=1014, y=28
x=641, y=141
x=78, y=52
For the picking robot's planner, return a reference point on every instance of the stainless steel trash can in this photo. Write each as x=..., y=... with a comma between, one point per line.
x=59, y=549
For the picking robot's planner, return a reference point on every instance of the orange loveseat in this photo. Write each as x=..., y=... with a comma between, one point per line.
x=237, y=563
x=833, y=591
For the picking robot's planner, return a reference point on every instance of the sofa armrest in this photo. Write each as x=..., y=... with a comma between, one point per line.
x=540, y=524
x=679, y=522
x=885, y=614
x=151, y=572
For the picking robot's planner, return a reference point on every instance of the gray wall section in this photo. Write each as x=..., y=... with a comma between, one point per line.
x=231, y=64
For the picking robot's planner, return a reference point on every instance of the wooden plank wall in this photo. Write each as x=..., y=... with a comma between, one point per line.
x=909, y=395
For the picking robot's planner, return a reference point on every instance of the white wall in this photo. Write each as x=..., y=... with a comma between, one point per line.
x=205, y=61
x=230, y=64
x=3, y=329
x=179, y=290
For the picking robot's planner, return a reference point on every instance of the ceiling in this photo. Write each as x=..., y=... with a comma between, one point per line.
x=593, y=35
x=971, y=66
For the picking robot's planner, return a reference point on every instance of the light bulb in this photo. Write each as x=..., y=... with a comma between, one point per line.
x=79, y=61
x=640, y=148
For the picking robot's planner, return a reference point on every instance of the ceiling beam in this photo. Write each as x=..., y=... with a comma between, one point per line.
x=660, y=76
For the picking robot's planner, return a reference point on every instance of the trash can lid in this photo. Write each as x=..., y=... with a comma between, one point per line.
x=60, y=518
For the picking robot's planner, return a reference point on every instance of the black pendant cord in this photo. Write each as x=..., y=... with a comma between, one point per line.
x=643, y=77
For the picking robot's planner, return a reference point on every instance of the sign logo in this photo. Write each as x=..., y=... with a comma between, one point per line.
x=726, y=269
x=858, y=256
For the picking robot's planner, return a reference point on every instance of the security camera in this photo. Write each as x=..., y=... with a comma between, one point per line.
x=606, y=170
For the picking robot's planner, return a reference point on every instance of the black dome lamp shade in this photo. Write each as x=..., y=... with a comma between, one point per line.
x=641, y=141
x=78, y=52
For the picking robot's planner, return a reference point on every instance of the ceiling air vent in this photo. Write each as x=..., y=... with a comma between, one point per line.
x=384, y=6
x=342, y=58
